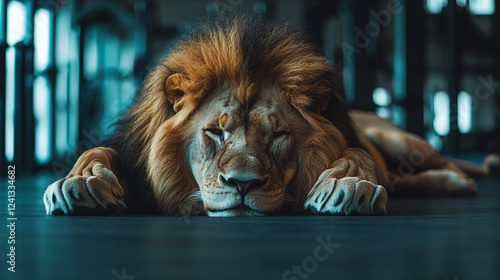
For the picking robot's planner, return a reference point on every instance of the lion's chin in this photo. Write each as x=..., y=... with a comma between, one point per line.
x=240, y=211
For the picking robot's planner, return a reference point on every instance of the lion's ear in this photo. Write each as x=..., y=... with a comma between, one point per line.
x=174, y=88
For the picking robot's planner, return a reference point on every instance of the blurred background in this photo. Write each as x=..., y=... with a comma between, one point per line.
x=68, y=68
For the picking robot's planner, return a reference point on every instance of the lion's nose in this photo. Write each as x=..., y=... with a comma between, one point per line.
x=243, y=186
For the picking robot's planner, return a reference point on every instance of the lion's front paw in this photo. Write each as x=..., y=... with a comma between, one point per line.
x=347, y=196
x=99, y=193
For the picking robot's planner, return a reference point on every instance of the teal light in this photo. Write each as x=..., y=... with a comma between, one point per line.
x=41, y=109
x=16, y=22
x=462, y=3
x=381, y=97
x=10, y=104
x=42, y=39
x=464, y=112
x=482, y=7
x=436, y=6
x=41, y=92
x=441, y=104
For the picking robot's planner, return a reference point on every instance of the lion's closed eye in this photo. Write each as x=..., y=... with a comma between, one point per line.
x=215, y=133
x=278, y=135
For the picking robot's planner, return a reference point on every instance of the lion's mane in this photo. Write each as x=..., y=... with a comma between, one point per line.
x=248, y=53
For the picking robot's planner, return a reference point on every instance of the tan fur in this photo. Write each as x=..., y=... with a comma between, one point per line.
x=91, y=187
x=195, y=68
x=206, y=129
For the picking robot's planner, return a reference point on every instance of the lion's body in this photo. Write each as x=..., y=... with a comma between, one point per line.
x=246, y=118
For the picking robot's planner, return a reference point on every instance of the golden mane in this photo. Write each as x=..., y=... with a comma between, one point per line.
x=247, y=54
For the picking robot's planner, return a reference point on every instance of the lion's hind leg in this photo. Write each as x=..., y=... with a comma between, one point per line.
x=435, y=182
x=416, y=168
x=91, y=188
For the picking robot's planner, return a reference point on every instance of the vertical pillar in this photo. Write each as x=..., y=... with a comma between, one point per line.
x=81, y=84
x=3, y=49
x=414, y=66
x=24, y=120
x=348, y=49
x=496, y=24
x=313, y=17
x=140, y=41
x=400, y=105
x=364, y=72
x=52, y=76
x=454, y=73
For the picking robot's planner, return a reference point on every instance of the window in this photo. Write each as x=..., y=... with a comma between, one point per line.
x=42, y=94
x=441, y=104
x=482, y=7
x=382, y=98
x=462, y=3
x=436, y=6
x=9, y=102
x=464, y=112
x=16, y=22
x=16, y=31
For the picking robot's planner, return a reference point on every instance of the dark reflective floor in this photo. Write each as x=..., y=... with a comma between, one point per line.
x=440, y=238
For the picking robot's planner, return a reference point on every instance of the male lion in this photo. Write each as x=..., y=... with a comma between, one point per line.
x=246, y=118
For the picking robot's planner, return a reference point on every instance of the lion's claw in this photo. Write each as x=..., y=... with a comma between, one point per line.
x=83, y=195
x=347, y=196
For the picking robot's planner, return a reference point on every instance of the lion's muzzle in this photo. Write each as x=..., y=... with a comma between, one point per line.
x=243, y=186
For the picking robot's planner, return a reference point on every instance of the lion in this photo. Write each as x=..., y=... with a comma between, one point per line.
x=246, y=118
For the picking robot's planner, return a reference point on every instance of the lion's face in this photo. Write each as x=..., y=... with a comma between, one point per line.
x=232, y=120
x=243, y=158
